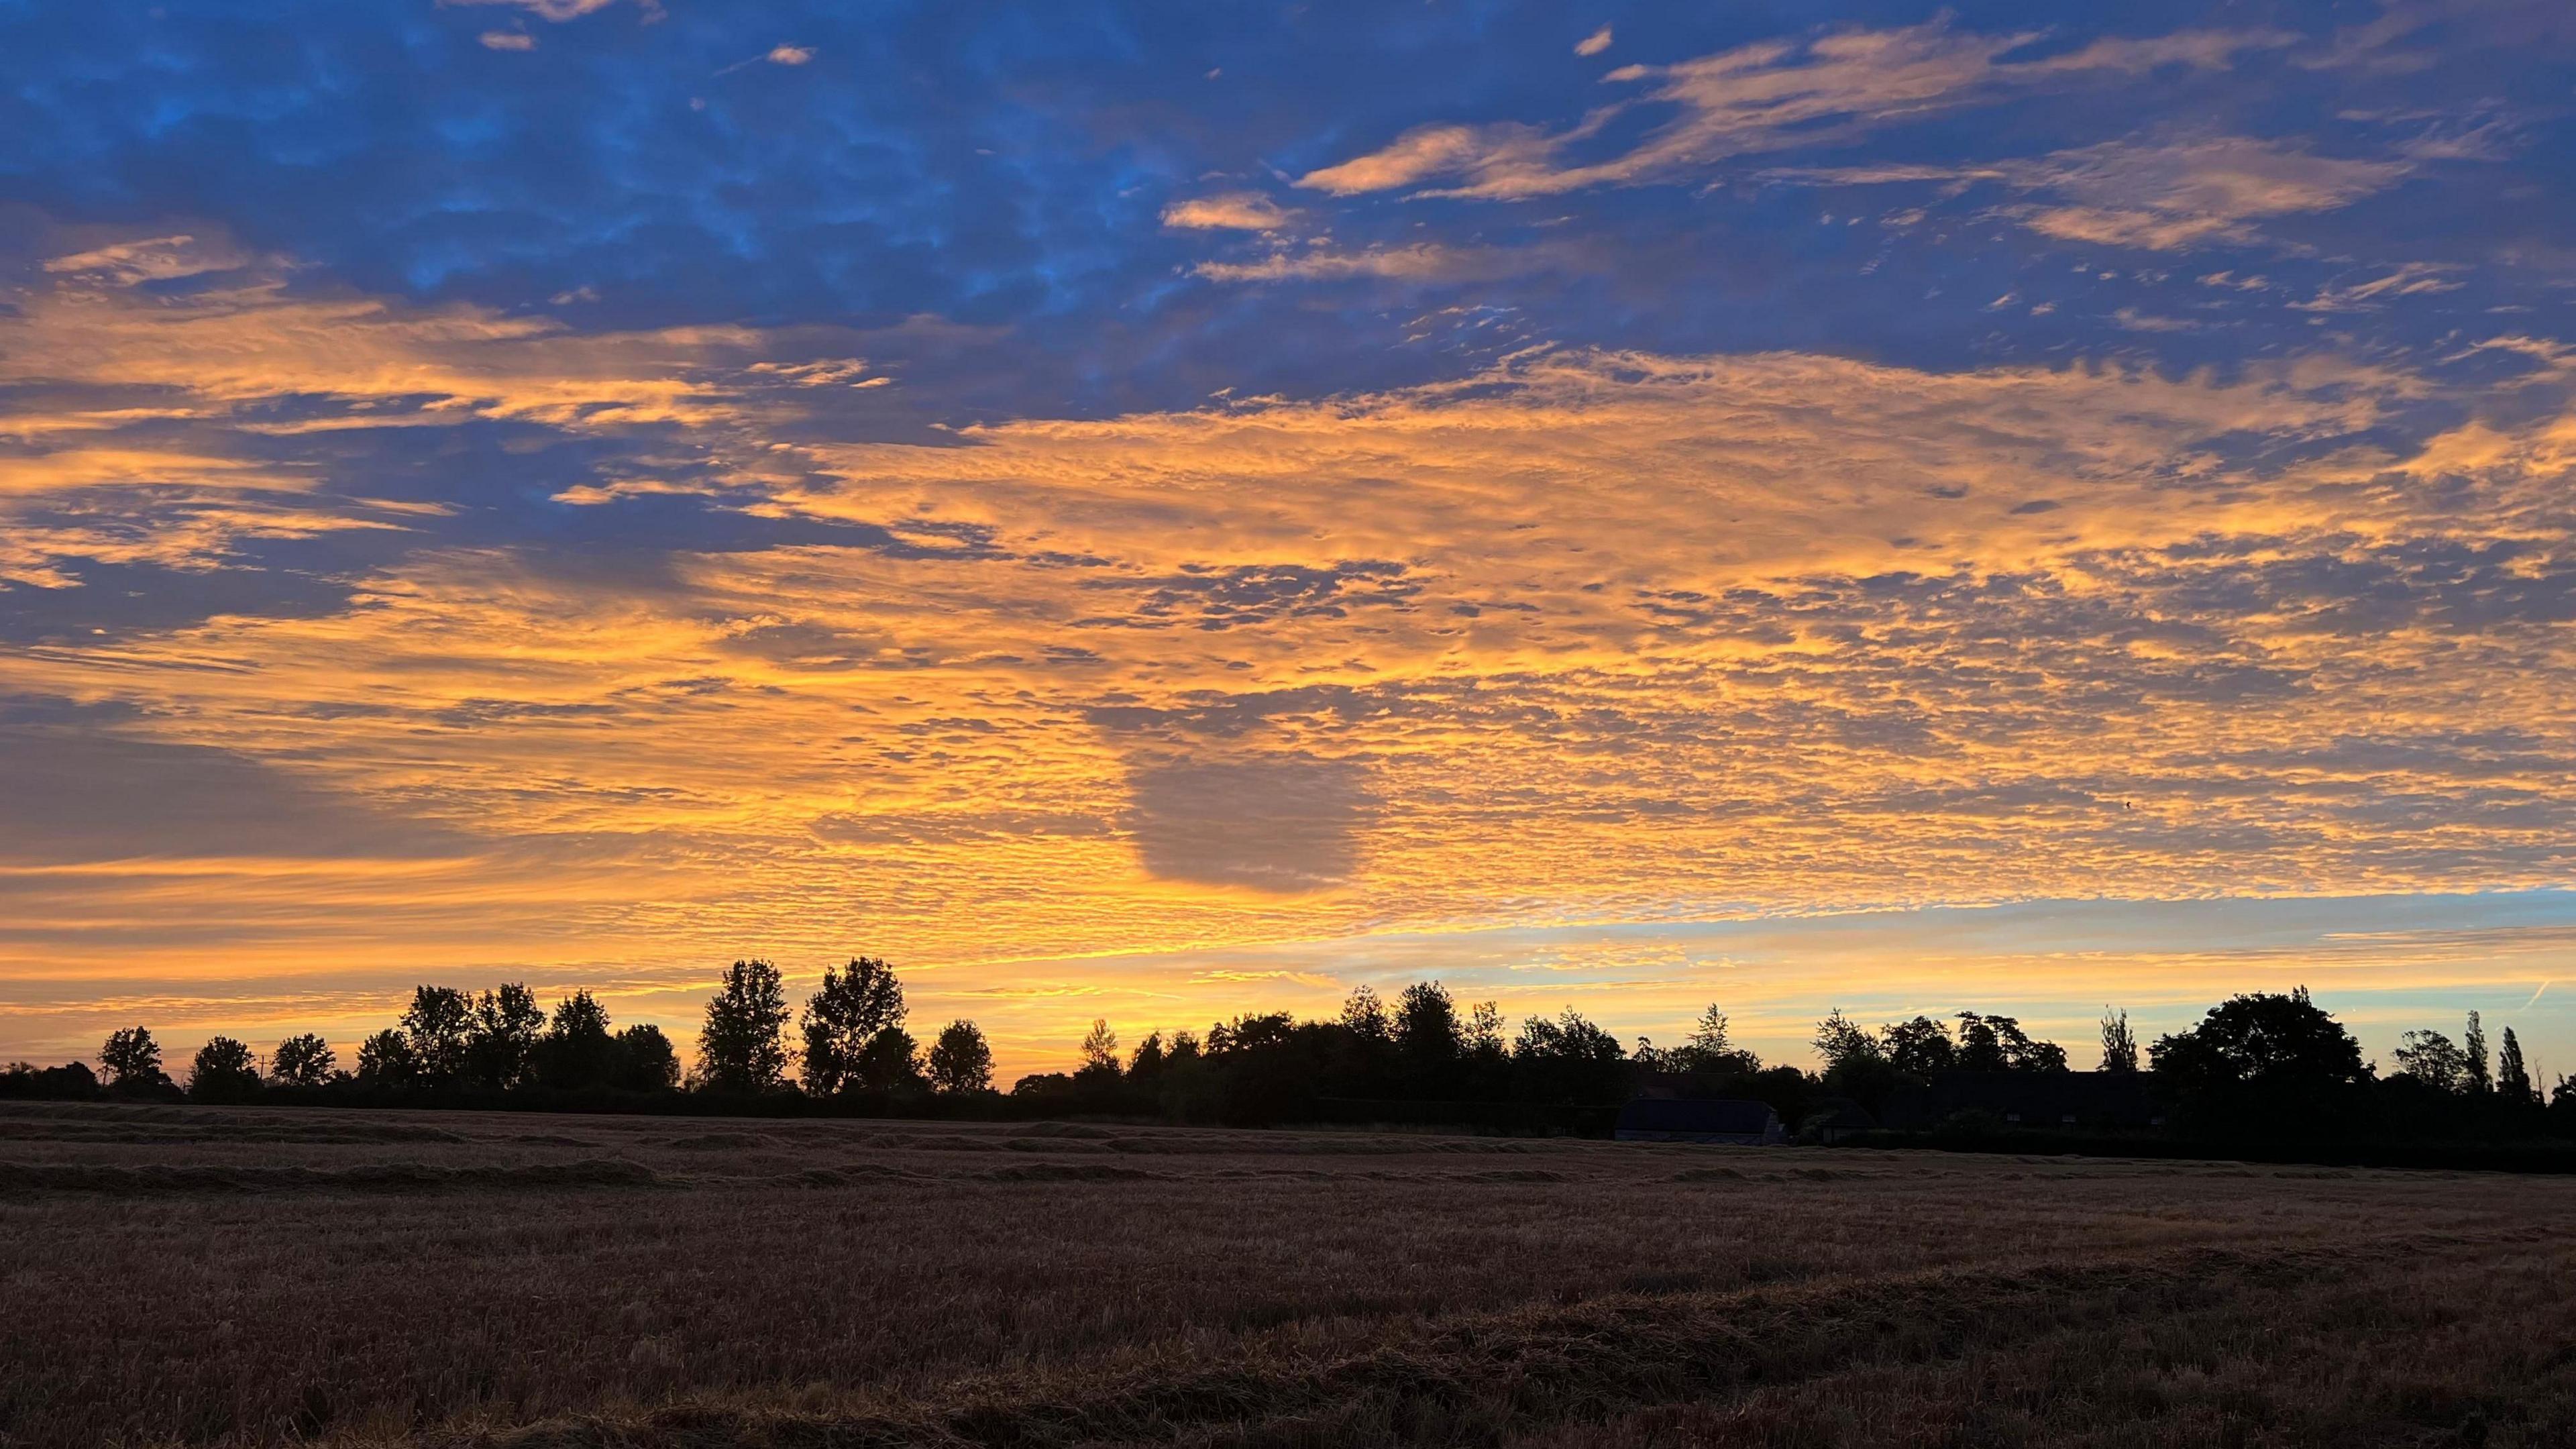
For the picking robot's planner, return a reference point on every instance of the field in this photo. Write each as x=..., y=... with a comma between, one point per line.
x=202, y=1276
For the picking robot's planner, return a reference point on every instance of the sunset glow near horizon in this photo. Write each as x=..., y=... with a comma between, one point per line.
x=1157, y=512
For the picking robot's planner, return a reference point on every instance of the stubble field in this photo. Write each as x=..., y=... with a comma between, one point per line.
x=201, y=1276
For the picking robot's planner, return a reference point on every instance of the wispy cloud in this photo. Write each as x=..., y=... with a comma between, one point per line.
x=1419, y=262
x=2165, y=195
x=2412, y=279
x=554, y=10
x=1760, y=97
x=1228, y=211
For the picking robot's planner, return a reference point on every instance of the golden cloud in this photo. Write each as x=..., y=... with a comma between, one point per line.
x=1592, y=637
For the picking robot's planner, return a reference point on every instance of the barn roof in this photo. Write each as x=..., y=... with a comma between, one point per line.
x=1718, y=1115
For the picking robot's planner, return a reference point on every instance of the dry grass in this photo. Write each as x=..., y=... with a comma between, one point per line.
x=245, y=1277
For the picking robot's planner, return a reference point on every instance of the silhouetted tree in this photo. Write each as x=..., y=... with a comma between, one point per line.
x=1710, y=1049
x=1099, y=1053
x=1427, y=1038
x=578, y=1051
x=1184, y=1049
x=2262, y=1064
x=1840, y=1039
x=2473, y=1051
x=2513, y=1078
x=843, y=1019
x=1365, y=1016
x=132, y=1060
x=439, y=1027
x=1145, y=1064
x=889, y=1063
x=302, y=1061
x=1568, y=1060
x=1856, y=1064
x=386, y=1060
x=961, y=1061
x=2434, y=1060
x=224, y=1071
x=70, y=1082
x=645, y=1061
x=1998, y=1044
x=501, y=1043
x=1919, y=1047
x=739, y=1048
x=2119, y=1044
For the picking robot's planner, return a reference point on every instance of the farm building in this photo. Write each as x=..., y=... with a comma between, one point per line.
x=1671, y=1119
x=2061, y=1101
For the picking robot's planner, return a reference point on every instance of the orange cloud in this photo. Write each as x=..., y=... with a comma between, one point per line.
x=1589, y=640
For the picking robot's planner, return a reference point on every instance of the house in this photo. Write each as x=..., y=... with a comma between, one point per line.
x=1676, y=1119
x=2035, y=1101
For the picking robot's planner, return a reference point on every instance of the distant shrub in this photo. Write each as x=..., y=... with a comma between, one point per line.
x=70, y=1082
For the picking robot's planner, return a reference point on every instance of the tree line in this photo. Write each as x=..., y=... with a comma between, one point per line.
x=2258, y=1064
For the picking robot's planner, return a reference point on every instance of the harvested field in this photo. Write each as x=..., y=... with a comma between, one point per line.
x=203, y=1276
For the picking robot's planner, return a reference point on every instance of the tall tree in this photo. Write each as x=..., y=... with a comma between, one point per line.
x=2433, y=1059
x=1919, y=1047
x=1426, y=1027
x=843, y=1018
x=645, y=1061
x=1998, y=1044
x=1710, y=1047
x=1365, y=1016
x=2513, y=1077
x=386, y=1060
x=224, y=1071
x=2262, y=1064
x=1148, y=1060
x=1568, y=1060
x=501, y=1043
x=1099, y=1052
x=2473, y=1046
x=961, y=1061
x=302, y=1061
x=1839, y=1040
x=132, y=1058
x=740, y=1048
x=1980, y=1049
x=2119, y=1044
x=578, y=1049
x=438, y=1027
x=890, y=1062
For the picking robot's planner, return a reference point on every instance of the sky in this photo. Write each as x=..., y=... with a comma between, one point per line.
x=1157, y=511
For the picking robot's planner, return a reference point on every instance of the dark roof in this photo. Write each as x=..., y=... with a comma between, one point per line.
x=1717, y=1115
x=2037, y=1098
